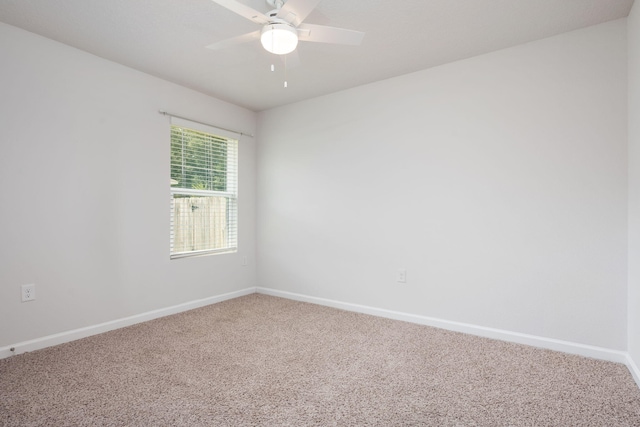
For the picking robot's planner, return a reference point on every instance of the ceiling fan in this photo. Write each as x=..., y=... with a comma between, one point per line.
x=282, y=27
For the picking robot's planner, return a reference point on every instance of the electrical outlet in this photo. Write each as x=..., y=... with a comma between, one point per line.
x=245, y=261
x=28, y=292
x=402, y=275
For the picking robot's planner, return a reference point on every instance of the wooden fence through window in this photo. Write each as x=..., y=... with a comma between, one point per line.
x=199, y=223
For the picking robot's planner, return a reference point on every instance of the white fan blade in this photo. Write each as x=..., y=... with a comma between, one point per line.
x=295, y=11
x=322, y=34
x=244, y=11
x=245, y=38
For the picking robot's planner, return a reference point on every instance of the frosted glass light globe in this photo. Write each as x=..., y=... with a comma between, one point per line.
x=279, y=38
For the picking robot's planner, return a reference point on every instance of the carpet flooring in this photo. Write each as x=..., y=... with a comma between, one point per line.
x=265, y=361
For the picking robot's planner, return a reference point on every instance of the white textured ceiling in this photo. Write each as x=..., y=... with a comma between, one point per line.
x=166, y=38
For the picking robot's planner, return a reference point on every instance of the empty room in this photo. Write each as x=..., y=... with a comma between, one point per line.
x=320, y=212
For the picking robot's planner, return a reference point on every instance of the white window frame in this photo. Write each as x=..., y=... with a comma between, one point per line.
x=231, y=194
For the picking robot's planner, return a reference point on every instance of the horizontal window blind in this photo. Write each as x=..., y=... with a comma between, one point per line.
x=204, y=182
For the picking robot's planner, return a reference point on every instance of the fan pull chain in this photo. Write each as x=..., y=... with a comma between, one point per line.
x=273, y=68
x=285, y=71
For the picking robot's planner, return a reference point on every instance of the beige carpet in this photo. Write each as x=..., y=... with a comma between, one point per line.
x=265, y=361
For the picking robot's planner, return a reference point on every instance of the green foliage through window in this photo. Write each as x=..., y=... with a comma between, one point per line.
x=198, y=160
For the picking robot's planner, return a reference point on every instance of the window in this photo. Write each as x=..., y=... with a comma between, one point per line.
x=204, y=197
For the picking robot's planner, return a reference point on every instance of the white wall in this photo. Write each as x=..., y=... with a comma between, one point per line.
x=633, y=37
x=498, y=182
x=84, y=172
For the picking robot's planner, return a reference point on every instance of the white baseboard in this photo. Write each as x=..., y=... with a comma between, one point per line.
x=63, y=337
x=633, y=368
x=515, y=337
x=499, y=334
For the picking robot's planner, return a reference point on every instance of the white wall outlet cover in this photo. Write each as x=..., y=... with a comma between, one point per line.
x=28, y=292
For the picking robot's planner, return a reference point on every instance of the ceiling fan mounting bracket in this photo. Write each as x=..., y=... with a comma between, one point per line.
x=277, y=4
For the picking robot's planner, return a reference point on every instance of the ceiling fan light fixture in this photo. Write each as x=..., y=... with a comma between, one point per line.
x=279, y=38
